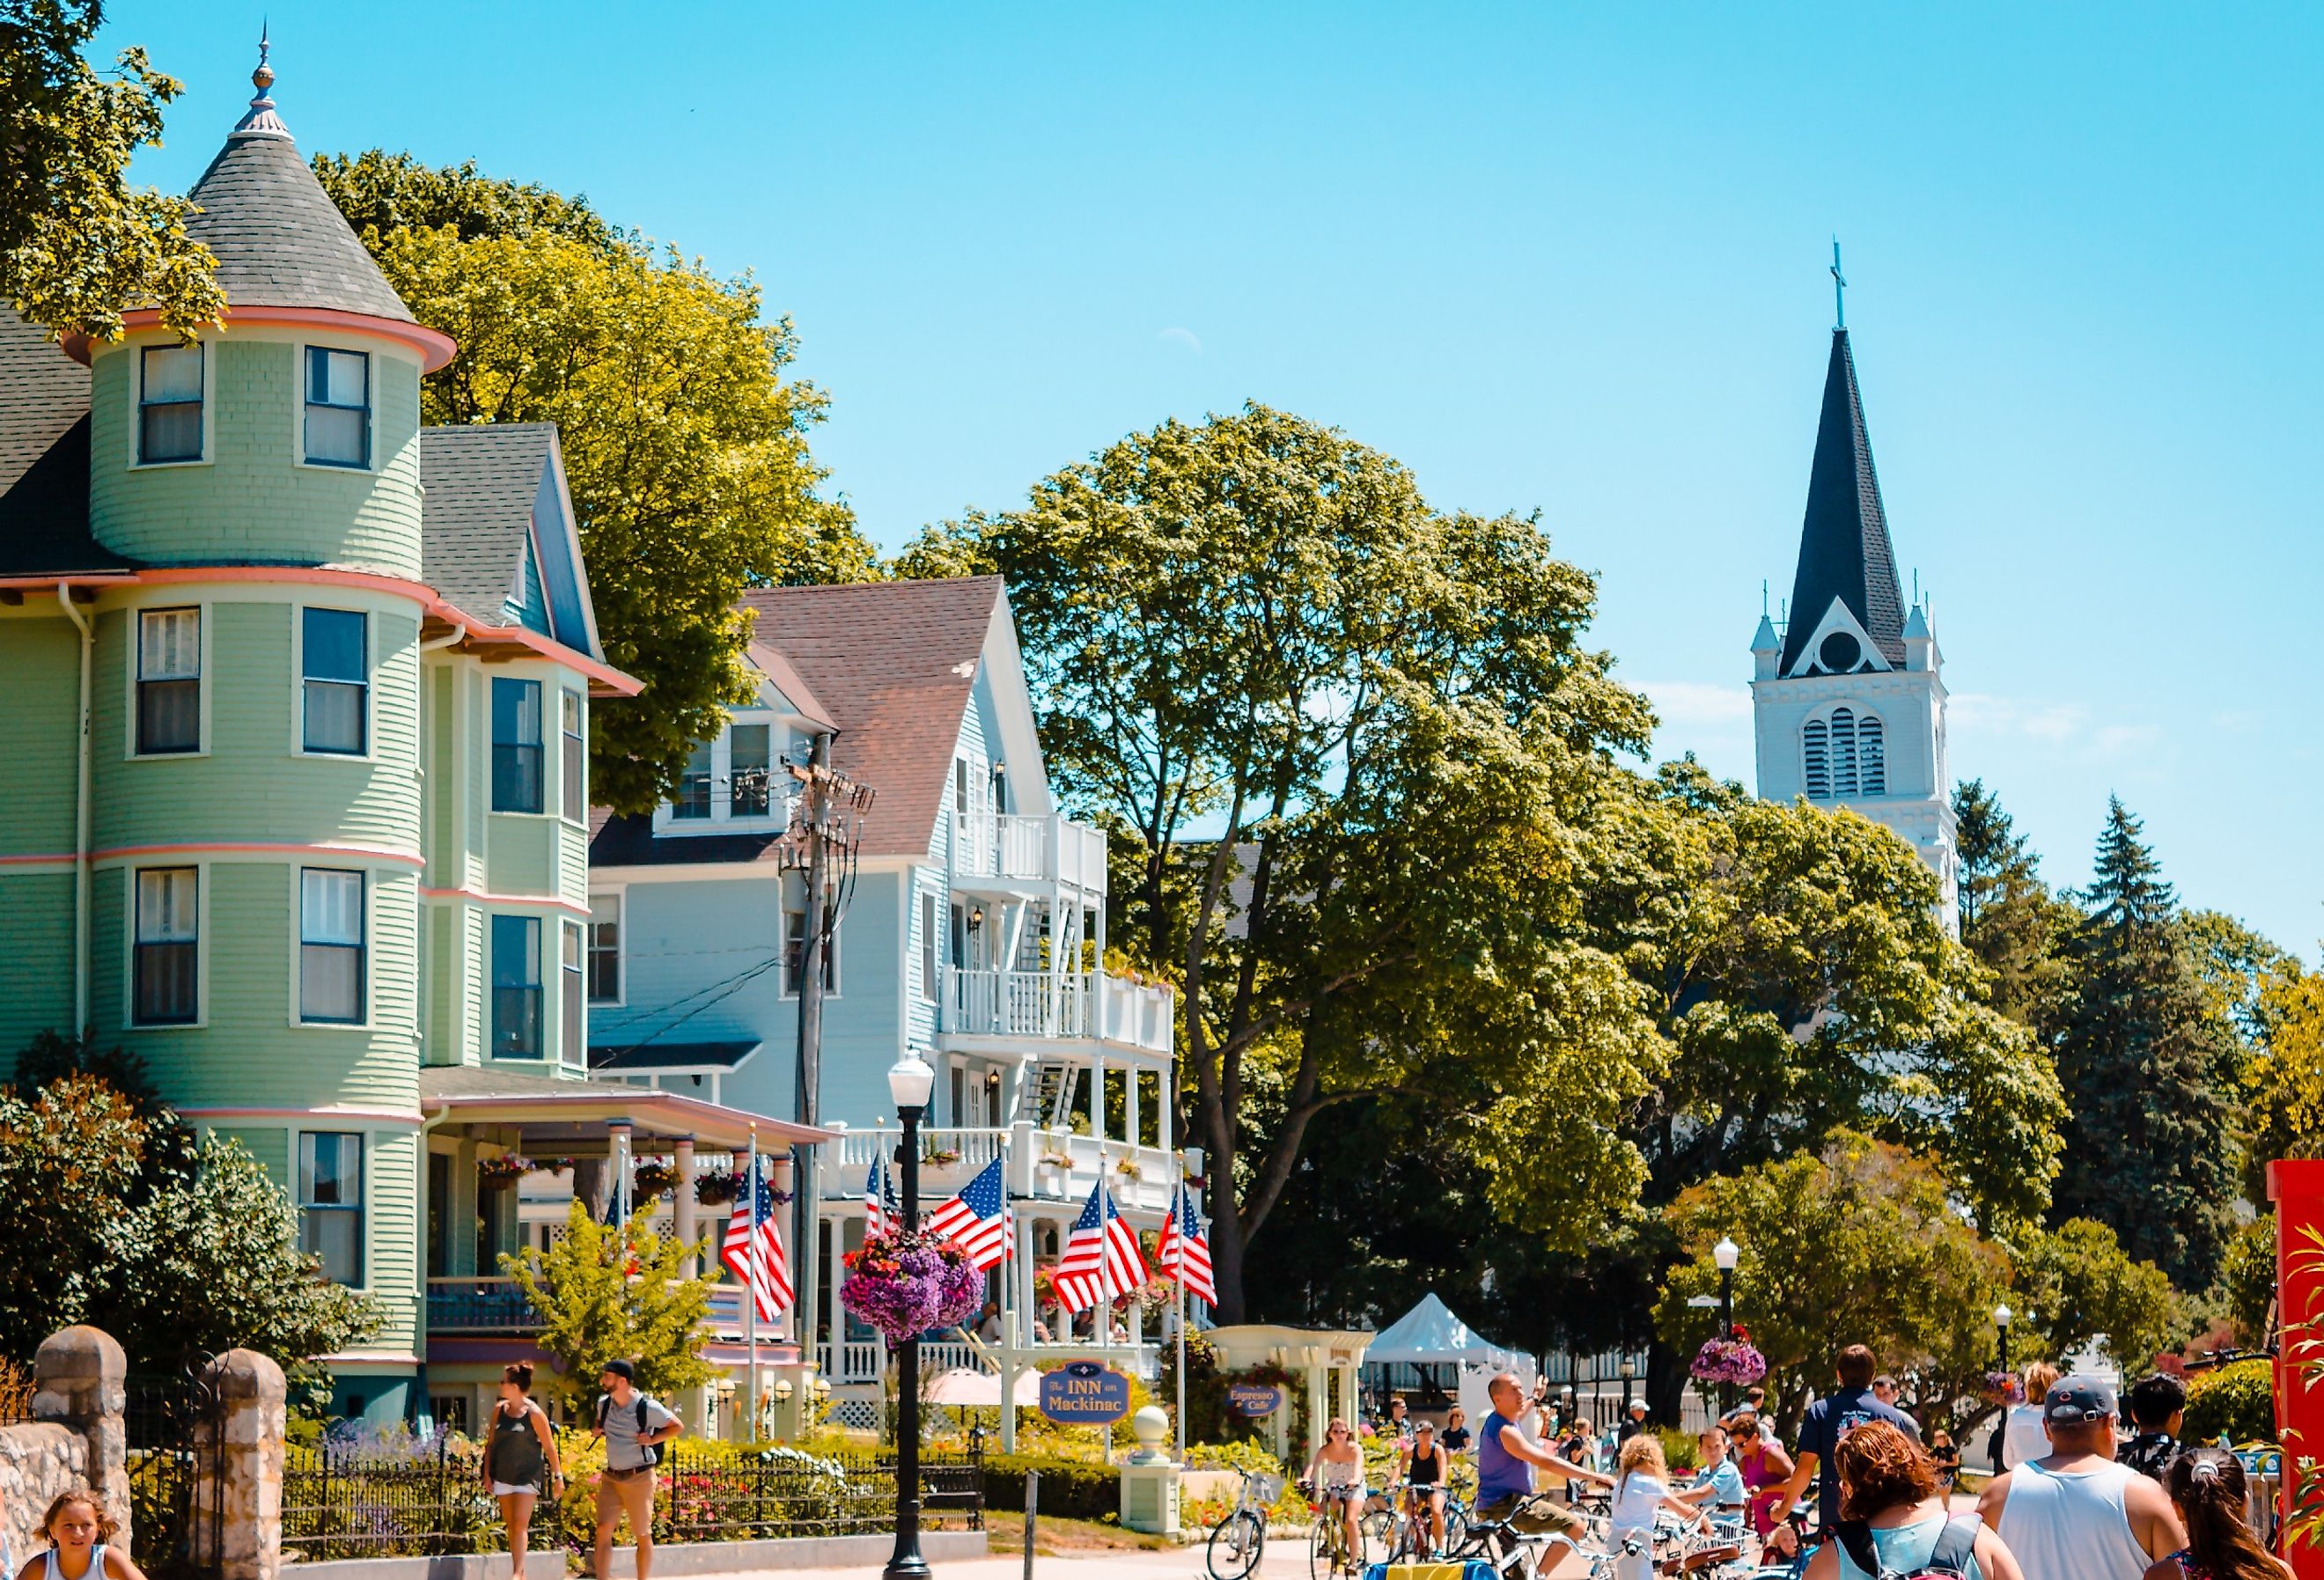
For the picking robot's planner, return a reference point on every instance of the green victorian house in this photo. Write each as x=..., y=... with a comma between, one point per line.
x=295, y=710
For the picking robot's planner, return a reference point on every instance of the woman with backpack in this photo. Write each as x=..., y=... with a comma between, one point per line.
x=1894, y=1524
x=516, y=1447
x=2206, y=1487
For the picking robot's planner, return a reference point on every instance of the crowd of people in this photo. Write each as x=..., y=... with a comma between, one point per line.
x=2083, y=1489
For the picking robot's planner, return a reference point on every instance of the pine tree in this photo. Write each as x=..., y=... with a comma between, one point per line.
x=2148, y=1073
x=2009, y=919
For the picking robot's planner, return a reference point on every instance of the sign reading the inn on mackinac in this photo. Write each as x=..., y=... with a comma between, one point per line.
x=1083, y=1393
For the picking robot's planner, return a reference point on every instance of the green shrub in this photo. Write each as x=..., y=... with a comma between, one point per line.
x=1245, y=1455
x=1679, y=1449
x=2237, y=1399
x=1071, y=1488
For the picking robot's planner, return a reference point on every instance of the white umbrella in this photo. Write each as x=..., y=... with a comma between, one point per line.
x=965, y=1387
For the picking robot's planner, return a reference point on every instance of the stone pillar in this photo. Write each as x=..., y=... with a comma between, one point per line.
x=682, y=1207
x=247, y=1483
x=79, y=1380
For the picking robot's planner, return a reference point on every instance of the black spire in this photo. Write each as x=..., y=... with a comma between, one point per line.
x=1844, y=550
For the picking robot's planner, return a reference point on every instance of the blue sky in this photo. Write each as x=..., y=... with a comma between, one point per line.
x=1553, y=258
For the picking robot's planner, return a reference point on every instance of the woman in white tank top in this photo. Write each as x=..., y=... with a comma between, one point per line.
x=78, y=1531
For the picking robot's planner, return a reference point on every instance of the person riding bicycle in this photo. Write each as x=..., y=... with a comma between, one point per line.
x=1641, y=1491
x=1423, y=1467
x=1717, y=1488
x=1507, y=1458
x=1337, y=1476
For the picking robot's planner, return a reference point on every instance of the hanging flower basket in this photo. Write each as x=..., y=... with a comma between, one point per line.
x=715, y=1188
x=939, y=1157
x=654, y=1179
x=501, y=1171
x=1734, y=1360
x=2003, y=1388
x=905, y=1284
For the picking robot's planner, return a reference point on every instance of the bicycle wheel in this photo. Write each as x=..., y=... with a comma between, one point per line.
x=1235, y=1546
x=1324, y=1545
x=1456, y=1528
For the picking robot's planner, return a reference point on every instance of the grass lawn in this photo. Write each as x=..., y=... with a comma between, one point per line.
x=1004, y=1532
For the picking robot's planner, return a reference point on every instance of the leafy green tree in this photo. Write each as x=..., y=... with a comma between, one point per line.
x=115, y=1214
x=2076, y=1284
x=686, y=447
x=2150, y=1073
x=606, y=1293
x=2247, y=1279
x=2009, y=919
x=1345, y=746
x=2285, y=1083
x=77, y=244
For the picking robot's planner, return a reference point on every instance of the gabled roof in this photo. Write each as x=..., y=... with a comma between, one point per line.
x=44, y=459
x=279, y=239
x=1844, y=549
x=486, y=486
x=893, y=663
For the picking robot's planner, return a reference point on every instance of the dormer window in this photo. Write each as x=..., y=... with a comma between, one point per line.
x=738, y=779
x=170, y=404
x=339, y=407
x=1844, y=755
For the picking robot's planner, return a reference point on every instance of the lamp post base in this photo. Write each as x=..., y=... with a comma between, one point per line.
x=906, y=1563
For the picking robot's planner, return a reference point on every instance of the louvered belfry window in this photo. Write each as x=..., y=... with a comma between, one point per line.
x=1843, y=756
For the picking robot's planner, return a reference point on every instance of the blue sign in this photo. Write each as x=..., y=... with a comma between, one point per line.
x=1251, y=1399
x=1086, y=1394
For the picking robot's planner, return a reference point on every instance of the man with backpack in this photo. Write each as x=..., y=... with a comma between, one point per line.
x=633, y=1428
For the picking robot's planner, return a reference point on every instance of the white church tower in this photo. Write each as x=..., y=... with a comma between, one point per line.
x=1849, y=699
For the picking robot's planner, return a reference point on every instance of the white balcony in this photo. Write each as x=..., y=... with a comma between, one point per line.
x=1009, y=853
x=1018, y=1006
x=1052, y=1164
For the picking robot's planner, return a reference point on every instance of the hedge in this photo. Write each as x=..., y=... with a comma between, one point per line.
x=2237, y=1399
x=1071, y=1488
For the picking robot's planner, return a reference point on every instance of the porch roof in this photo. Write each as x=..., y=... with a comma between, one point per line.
x=548, y=1109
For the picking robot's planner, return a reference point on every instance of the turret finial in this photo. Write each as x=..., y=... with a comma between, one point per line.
x=264, y=78
x=261, y=121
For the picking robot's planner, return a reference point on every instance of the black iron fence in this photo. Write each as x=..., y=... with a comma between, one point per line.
x=176, y=1469
x=366, y=1497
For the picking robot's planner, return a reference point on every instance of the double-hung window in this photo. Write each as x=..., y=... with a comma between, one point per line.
x=928, y=939
x=516, y=746
x=331, y=946
x=516, y=987
x=339, y=407
x=164, y=972
x=693, y=802
x=575, y=764
x=170, y=404
x=572, y=1044
x=331, y=1201
x=750, y=770
x=604, y=948
x=334, y=654
x=169, y=680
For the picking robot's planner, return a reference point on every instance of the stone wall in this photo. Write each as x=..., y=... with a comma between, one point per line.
x=38, y=1460
x=75, y=1437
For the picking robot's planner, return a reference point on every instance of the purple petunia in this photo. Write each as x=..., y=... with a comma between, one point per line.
x=1732, y=1361
x=906, y=1284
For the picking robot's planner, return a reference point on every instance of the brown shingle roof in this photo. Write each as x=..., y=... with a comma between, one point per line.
x=44, y=458
x=893, y=663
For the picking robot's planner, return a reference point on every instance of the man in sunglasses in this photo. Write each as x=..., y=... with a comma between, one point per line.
x=1506, y=1457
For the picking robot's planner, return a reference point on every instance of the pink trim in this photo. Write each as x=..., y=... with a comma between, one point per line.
x=215, y=848
x=35, y=860
x=359, y=1358
x=481, y=898
x=305, y=1115
x=435, y=348
x=615, y=682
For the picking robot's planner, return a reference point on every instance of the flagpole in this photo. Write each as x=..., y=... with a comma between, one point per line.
x=1178, y=1272
x=751, y=1299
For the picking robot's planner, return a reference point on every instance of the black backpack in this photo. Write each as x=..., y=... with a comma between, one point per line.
x=653, y=1451
x=1948, y=1560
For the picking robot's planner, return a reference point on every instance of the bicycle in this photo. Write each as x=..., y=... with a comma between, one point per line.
x=1519, y=1554
x=1328, y=1553
x=1239, y=1537
x=1409, y=1534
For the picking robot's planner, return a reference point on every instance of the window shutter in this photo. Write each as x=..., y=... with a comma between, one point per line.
x=1816, y=745
x=1871, y=756
x=1843, y=753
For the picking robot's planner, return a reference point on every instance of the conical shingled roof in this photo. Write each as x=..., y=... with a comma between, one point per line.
x=1844, y=549
x=280, y=240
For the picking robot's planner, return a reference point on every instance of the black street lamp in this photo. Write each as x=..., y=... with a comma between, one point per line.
x=909, y=1083
x=2001, y=1315
x=1726, y=1253
x=1629, y=1375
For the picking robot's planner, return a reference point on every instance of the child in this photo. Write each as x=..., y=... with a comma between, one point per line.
x=1640, y=1492
x=2206, y=1488
x=1717, y=1487
x=78, y=1530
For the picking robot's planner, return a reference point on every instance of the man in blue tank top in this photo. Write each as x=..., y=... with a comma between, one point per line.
x=1507, y=1456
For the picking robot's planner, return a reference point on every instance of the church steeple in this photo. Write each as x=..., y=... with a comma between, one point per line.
x=1844, y=549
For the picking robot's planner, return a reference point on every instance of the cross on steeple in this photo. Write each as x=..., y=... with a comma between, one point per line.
x=1839, y=289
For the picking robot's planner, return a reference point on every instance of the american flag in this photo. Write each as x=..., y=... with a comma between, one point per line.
x=1185, y=1250
x=753, y=1249
x=978, y=1220
x=1102, y=1260
x=880, y=1211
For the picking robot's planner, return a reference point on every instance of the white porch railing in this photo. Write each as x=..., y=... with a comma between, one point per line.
x=1070, y=1005
x=1034, y=850
x=951, y=1155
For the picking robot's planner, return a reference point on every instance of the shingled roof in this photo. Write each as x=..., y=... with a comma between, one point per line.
x=44, y=459
x=1844, y=548
x=480, y=482
x=893, y=665
x=279, y=239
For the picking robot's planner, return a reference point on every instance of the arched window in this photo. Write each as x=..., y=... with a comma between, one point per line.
x=1843, y=756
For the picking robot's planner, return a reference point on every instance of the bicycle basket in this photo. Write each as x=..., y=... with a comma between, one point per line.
x=1265, y=1489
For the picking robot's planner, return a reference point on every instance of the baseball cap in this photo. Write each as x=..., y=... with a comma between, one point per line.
x=620, y=1369
x=2077, y=1399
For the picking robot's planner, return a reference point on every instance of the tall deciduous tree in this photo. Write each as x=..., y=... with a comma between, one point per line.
x=78, y=243
x=2150, y=1072
x=2009, y=919
x=686, y=447
x=1345, y=744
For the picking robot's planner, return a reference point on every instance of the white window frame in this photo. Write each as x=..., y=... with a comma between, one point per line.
x=542, y=967
x=619, y=900
x=782, y=729
x=545, y=689
x=931, y=951
x=205, y=632
x=136, y=383
x=299, y=679
x=129, y=929
x=573, y=701
x=370, y=462
x=299, y=1017
x=366, y=1155
x=572, y=992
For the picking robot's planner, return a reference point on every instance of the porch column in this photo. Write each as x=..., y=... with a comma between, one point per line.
x=682, y=1208
x=836, y=1274
x=1350, y=1400
x=1097, y=1104
x=1132, y=1081
x=1166, y=1110
x=1319, y=1401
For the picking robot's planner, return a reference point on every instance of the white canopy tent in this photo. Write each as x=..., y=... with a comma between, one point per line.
x=1430, y=1335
